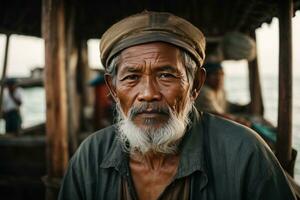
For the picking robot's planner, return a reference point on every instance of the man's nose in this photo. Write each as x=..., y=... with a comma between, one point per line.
x=149, y=91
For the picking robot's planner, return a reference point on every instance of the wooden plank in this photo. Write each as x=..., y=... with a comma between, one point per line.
x=4, y=69
x=284, y=137
x=256, y=105
x=53, y=24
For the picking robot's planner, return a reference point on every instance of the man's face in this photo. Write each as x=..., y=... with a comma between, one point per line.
x=151, y=77
x=11, y=87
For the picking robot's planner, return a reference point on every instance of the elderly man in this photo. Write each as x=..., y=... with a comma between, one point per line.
x=162, y=148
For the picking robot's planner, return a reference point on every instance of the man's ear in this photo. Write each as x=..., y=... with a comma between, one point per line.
x=198, y=82
x=111, y=86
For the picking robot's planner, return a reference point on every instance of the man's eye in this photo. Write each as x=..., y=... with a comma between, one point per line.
x=131, y=77
x=166, y=75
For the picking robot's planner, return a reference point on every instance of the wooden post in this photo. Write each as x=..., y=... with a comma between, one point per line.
x=78, y=91
x=4, y=70
x=82, y=81
x=53, y=24
x=256, y=104
x=72, y=65
x=284, y=137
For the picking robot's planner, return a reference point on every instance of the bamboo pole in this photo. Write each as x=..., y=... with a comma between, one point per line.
x=284, y=137
x=4, y=69
x=256, y=104
x=53, y=21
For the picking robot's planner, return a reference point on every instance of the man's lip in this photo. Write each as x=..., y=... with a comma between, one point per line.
x=151, y=113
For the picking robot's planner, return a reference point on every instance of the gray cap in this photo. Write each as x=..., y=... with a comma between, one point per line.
x=149, y=27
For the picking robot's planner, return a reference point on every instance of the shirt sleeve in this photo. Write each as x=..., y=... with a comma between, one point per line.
x=80, y=178
x=71, y=188
x=266, y=178
x=19, y=94
x=275, y=188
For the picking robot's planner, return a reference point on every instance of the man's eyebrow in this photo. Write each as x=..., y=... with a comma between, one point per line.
x=168, y=68
x=130, y=69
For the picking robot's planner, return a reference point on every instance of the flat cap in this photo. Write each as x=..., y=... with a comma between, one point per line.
x=149, y=27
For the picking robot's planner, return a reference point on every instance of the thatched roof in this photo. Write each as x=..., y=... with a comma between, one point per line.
x=93, y=17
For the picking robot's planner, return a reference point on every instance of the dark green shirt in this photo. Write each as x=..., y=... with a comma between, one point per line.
x=223, y=160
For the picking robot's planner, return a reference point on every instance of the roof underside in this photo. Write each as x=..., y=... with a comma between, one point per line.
x=93, y=17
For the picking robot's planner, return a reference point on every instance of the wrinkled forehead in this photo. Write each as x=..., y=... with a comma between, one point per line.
x=156, y=56
x=156, y=51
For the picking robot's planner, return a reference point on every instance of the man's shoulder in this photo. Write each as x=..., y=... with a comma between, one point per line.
x=236, y=153
x=205, y=90
x=228, y=133
x=96, y=146
x=103, y=136
x=237, y=145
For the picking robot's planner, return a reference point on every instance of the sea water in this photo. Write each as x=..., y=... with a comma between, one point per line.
x=33, y=108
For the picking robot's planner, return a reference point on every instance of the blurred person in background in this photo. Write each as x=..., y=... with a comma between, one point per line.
x=212, y=97
x=12, y=100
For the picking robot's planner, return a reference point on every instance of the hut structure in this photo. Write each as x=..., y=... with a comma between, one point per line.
x=66, y=26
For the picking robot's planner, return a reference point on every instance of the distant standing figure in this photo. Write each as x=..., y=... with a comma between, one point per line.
x=12, y=100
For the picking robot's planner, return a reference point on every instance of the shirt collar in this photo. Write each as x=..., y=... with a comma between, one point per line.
x=191, y=148
x=116, y=157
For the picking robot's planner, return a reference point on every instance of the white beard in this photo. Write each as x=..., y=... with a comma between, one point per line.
x=157, y=140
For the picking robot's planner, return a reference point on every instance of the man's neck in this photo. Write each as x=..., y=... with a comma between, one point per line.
x=154, y=161
x=152, y=173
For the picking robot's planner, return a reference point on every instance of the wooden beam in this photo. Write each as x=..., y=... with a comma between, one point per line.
x=284, y=137
x=4, y=69
x=244, y=16
x=256, y=104
x=53, y=24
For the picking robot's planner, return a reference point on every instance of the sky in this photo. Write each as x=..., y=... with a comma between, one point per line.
x=26, y=52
